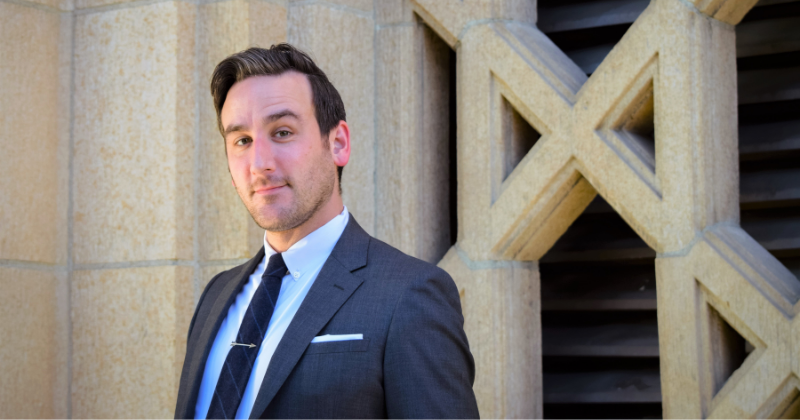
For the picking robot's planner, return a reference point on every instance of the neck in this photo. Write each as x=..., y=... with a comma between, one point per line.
x=283, y=240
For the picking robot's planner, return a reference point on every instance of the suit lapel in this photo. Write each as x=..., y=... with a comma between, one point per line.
x=333, y=286
x=206, y=333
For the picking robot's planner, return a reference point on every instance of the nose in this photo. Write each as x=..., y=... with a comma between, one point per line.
x=263, y=157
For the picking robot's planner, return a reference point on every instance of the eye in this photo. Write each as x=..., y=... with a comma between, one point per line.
x=282, y=134
x=242, y=141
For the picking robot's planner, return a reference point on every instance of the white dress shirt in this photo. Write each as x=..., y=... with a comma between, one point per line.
x=304, y=260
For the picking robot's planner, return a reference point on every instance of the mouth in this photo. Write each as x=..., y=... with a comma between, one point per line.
x=269, y=190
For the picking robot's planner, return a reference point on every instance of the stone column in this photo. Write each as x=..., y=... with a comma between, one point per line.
x=155, y=216
x=413, y=128
x=35, y=46
x=134, y=130
x=500, y=299
x=501, y=305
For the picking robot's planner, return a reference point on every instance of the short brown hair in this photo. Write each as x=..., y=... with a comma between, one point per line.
x=278, y=59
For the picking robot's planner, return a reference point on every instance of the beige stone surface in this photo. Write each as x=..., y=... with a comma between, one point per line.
x=685, y=62
x=138, y=180
x=450, y=18
x=34, y=122
x=35, y=347
x=88, y=4
x=56, y=6
x=412, y=166
x=134, y=134
x=729, y=272
x=129, y=340
x=355, y=5
x=523, y=215
x=728, y=11
x=224, y=222
x=394, y=12
x=348, y=61
x=501, y=306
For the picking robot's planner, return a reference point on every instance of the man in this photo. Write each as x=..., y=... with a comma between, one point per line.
x=325, y=321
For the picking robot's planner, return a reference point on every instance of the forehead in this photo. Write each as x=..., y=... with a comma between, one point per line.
x=264, y=93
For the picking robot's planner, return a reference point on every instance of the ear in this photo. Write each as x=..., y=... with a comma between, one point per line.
x=340, y=144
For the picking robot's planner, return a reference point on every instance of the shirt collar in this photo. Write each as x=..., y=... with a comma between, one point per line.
x=307, y=253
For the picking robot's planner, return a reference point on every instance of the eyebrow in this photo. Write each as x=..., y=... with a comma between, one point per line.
x=268, y=119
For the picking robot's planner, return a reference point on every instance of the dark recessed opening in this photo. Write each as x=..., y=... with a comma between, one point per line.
x=775, y=11
x=588, y=47
x=518, y=137
x=600, y=351
x=728, y=348
x=638, y=128
x=452, y=147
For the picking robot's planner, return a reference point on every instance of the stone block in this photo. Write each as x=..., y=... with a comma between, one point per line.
x=129, y=340
x=134, y=134
x=501, y=306
x=56, y=5
x=348, y=60
x=88, y=4
x=354, y=5
x=224, y=222
x=393, y=12
x=35, y=126
x=34, y=351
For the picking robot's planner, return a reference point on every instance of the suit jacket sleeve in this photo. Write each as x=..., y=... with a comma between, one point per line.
x=428, y=368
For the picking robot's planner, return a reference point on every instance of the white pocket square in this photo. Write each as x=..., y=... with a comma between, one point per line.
x=340, y=337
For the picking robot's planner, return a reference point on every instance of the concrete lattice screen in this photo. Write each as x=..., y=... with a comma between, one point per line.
x=515, y=144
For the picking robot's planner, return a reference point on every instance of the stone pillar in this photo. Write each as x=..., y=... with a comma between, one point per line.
x=501, y=305
x=339, y=36
x=134, y=134
x=155, y=216
x=500, y=299
x=35, y=46
x=413, y=128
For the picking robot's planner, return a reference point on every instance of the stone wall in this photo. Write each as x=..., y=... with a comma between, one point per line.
x=117, y=207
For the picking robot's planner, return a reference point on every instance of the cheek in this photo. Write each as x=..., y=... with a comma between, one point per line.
x=239, y=170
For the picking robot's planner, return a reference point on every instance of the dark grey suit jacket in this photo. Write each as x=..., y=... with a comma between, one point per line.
x=414, y=360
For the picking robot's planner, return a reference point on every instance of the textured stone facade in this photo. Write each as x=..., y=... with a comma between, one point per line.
x=117, y=208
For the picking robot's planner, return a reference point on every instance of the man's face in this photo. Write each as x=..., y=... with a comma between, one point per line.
x=283, y=169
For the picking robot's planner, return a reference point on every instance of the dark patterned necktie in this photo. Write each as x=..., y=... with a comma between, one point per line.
x=241, y=358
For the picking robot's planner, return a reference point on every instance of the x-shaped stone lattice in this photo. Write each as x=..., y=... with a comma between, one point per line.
x=681, y=198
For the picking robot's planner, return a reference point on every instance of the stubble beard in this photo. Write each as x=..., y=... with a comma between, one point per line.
x=308, y=200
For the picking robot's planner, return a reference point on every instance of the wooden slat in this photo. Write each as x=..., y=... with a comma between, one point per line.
x=770, y=36
x=615, y=386
x=589, y=58
x=611, y=340
x=635, y=301
x=594, y=14
x=590, y=232
x=645, y=301
x=596, y=255
x=769, y=85
x=779, y=235
x=768, y=140
x=573, y=287
x=766, y=187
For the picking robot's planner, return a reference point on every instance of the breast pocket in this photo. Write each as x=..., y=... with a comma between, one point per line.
x=338, y=346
